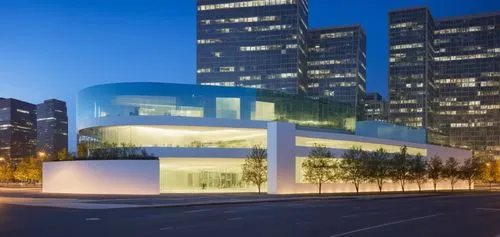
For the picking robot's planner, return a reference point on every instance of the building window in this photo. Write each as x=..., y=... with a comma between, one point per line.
x=228, y=108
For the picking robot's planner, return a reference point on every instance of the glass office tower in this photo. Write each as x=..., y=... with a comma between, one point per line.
x=52, y=127
x=453, y=62
x=375, y=107
x=259, y=44
x=336, y=65
x=410, y=67
x=17, y=129
x=467, y=79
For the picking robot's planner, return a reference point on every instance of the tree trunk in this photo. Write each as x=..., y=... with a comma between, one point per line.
x=402, y=186
x=435, y=186
x=258, y=187
x=357, y=188
x=319, y=190
x=470, y=185
x=419, y=187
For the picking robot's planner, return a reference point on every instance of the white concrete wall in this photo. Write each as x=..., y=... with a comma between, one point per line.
x=280, y=158
x=139, y=177
x=282, y=153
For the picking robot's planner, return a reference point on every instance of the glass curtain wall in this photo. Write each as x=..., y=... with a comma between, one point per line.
x=173, y=136
x=161, y=99
x=186, y=175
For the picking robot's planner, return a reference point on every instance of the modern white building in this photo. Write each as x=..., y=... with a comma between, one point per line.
x=202, y=135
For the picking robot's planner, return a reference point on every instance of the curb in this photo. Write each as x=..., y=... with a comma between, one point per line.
x=219, y=203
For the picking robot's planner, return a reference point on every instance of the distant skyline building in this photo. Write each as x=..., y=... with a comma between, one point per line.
x=376, y=108
x=337, y=64
x=444, y=75
x=259, y=44
x=17, y=129
x=52, y=127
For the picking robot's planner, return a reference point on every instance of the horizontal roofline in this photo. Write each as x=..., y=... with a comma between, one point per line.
x=469, y=16
x=337, y=27
x=408, y=8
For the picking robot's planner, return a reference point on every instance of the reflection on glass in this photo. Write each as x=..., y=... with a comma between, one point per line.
x=162, y=99
x=228, y=108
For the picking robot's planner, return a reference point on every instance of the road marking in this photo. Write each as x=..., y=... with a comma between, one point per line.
x=93, y=219
x=387, y=224
x=487, y=209
x=198, y=210
x=167, y=228
x=234, y=219
x=303, y=223
x=348, y=216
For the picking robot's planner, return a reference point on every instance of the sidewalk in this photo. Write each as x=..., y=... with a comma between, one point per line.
x=193, y=200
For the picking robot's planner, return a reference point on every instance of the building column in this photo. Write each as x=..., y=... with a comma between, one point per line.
x=280, y=158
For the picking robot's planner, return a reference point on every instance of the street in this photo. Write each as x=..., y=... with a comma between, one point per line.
x=460, y=215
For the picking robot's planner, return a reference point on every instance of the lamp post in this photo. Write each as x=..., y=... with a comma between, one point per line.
x=489, y=173
x=41, y=155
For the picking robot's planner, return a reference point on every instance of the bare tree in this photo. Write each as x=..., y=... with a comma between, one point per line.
x=377, y=167
x=471, y=170
x=255, y=167
x=352, y=166
x=434, y=169
x=319, y=167
x=418, y=171
x=451, y=171
x=400, y=167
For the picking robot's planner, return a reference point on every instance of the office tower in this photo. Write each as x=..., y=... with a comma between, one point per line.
x=17, y=129
x=337, y=64
x=376, y=108
x=461, y=77
x=410, y=67
x=52, y=127
x=467, y=78
x=259, y=44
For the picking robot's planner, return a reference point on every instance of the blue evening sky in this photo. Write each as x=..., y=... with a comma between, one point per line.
x=52, y=49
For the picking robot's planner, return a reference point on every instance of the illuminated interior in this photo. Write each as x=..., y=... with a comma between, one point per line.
x=299, y=172
x=174, y=136
x=190, y=175
x=346, y=144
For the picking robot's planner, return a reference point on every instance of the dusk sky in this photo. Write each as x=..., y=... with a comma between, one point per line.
x=54, y=49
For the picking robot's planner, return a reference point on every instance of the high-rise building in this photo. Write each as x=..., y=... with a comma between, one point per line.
x=336, y=64
x=467, y=78
x=259, y=44
x=17, y=129
x=444, y=75
x=52, y=127
x=376, y=108
x=410, y=67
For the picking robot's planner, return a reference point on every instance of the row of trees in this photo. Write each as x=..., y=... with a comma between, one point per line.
x=358, y=166
x=28, y=170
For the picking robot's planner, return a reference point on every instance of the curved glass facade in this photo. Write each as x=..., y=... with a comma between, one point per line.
x=162, y=99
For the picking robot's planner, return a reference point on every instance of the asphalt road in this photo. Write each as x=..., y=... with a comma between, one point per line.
x=469, y=215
